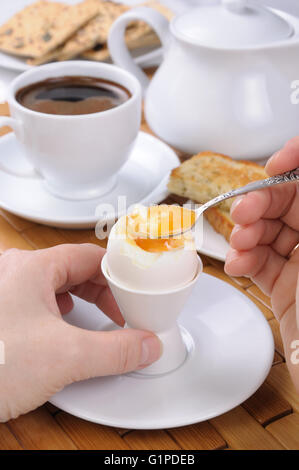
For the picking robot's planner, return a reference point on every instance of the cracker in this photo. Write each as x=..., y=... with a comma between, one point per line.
x=43, y=26
x=101, y=51
x=95, y=31
x=139, y=34
x=43, y=59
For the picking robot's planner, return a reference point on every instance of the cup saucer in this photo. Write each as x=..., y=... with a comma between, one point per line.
x=230, y=352
x=143, y=180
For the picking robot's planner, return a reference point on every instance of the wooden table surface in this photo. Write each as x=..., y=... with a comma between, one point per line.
x=268, y=420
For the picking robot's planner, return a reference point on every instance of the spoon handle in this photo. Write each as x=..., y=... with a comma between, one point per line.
x=288, y=177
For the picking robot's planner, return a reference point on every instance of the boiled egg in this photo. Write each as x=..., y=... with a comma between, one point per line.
x=138, y=259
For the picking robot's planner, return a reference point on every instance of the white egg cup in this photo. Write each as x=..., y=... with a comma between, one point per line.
x=156, y=311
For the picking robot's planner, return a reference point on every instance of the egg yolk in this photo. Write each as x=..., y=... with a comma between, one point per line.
x=152, y=230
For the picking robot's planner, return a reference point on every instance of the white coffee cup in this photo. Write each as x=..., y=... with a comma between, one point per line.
x=78, y=156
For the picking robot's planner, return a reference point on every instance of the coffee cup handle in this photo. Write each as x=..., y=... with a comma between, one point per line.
x=18, y=129
x=117, y=46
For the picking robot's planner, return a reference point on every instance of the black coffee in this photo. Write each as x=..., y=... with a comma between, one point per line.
x=72, y=95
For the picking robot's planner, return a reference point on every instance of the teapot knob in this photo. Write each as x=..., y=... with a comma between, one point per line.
x=237, y=6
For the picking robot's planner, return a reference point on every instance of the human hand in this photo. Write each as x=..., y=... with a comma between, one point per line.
x=43, y=353
x=262, y=244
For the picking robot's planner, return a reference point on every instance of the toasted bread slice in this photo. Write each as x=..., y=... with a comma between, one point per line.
x=206, y=175
x=220, y=221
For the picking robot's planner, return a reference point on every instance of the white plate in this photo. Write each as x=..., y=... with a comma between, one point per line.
x=142, y=180
x=214, y=244
x=230, y=354
x=8, y=61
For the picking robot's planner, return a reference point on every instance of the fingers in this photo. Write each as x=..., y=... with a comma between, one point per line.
x=108, y=305
x=76, y=268
x=269, y=203
x=246, y=263
x=70, y=265
x=100, y=353
x=250, y=208
x=102, y=297
x=262, y=264
x=282, y=238
x=65, y=303
x=262, y=232
x=284, y=290
x=286, y=241
x=290, y=337
x=286, y=159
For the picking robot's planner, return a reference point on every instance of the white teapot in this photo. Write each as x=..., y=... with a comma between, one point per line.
x=225, y=83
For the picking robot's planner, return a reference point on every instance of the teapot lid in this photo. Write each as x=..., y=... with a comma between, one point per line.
x=232, y=24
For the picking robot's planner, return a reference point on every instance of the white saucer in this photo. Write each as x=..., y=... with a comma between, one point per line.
x=144, y=57
x=230, y=354
x=213, y=244
x=142, y=180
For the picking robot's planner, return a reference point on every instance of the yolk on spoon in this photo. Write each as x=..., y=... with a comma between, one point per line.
x=152, y=232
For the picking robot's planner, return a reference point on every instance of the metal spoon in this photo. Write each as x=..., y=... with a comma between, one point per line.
x=288, y=177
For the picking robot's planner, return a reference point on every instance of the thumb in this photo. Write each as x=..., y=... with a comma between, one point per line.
x=285, y=159
x=100, y=353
